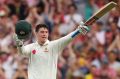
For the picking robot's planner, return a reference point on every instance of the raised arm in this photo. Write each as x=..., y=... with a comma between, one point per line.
x=22, y=50
x=61, y=43
x=115, y=43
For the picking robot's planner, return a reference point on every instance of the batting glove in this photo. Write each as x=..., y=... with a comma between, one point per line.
x=19, y=43
x=83, y=29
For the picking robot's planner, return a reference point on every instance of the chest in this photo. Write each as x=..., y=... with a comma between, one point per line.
x=40, y=51
x=41, y=54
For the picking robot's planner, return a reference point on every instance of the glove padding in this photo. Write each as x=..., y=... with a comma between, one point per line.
x=19, y=43
x=83, y=29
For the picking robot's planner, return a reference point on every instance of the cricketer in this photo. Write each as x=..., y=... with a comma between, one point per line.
x=43, y=54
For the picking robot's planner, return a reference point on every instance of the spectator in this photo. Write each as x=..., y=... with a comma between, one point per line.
x=93, y=73
x=106, y=72
x=5, y=31
x=18, y=7
x=2, y=72
x=112, y=60
x=20, y=72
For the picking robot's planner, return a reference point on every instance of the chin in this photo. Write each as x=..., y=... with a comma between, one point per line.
x=44, y=40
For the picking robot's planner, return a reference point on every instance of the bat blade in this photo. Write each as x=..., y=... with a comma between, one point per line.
x=100, y=13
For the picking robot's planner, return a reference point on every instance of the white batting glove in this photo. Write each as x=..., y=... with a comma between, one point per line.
x=19, y=43
x=83, y=29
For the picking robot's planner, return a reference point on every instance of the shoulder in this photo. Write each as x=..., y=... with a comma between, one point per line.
x=53, y=43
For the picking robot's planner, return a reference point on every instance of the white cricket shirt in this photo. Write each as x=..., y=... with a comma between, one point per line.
x=43, y=59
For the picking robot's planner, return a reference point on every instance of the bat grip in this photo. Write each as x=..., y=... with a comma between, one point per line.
x=91, y=21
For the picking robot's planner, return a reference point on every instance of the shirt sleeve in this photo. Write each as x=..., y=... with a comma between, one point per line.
x=61, y=43
x=24, y=50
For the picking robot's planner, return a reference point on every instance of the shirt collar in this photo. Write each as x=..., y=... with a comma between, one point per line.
x=46, y=43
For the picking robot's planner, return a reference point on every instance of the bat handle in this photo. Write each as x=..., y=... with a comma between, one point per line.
x=91, y=21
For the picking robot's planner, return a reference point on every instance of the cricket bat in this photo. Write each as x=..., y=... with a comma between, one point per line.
x=100, y=13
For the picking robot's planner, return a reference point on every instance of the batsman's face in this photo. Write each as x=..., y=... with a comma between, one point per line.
x=42, y=35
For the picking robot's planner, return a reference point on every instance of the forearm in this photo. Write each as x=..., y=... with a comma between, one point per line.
x=72, y=55
x=75, y=33
x=112, y=46
x=22, y=50
x=68, y=38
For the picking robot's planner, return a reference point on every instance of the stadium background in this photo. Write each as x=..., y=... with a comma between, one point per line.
x=94, y=56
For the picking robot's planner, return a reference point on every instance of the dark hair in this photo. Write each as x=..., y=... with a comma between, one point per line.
x=40, y=26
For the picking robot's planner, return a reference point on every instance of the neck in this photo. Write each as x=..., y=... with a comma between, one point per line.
x=41, y=42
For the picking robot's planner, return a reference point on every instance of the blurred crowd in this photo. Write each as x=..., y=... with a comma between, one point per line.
x=93, y=56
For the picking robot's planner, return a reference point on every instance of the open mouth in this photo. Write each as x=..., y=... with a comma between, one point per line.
x=44, y=37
